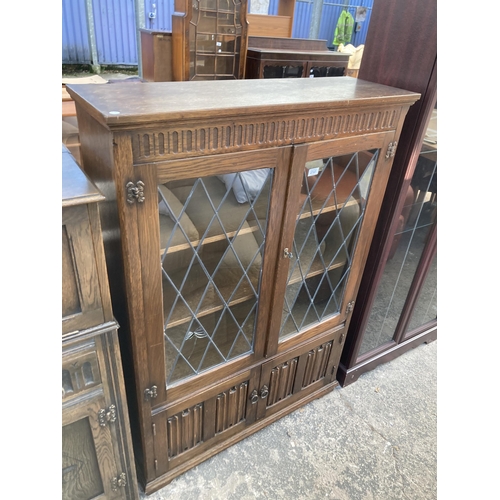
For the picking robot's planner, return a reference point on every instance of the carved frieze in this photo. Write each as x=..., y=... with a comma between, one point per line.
x=171, y=142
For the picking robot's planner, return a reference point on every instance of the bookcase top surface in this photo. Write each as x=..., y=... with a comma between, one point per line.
x=77, y=189
x=122, y=104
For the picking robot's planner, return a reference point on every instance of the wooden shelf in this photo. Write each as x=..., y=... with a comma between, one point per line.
x=318, y=206
x=182, y=314
x=252, y=227
x=316, y=269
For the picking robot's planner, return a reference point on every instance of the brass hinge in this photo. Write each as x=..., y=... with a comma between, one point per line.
x=150, y=393
x=135, y=192
x=119, y=482
x=350, y=307
x=391, y=149
x=108, y=415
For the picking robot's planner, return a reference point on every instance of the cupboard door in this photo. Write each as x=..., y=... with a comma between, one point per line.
x=290, y=377
x=89, y=468
x=188, y=430
x=217, y=262
x=81, y=295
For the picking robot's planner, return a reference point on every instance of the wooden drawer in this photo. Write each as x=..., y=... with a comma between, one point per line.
x=80, y=370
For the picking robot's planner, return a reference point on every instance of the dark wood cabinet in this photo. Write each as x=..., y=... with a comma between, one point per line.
x=97, y=454
x=396, y=308
x=269, y=57
x=238, y=219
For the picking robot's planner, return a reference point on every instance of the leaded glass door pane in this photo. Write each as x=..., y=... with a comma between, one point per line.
x=331, y=209
x=212, y=237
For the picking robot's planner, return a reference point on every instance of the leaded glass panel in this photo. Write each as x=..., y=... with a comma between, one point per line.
x=212, y=237
x=415, y=222
x=332, y=206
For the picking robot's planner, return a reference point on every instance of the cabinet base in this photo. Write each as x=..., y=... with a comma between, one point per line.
x=162, y=481
x=347, y=376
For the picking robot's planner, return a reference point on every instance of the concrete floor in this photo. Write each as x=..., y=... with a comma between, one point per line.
x=373, y=440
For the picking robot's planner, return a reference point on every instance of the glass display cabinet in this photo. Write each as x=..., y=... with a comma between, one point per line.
x=236, y=234
x=403, y=308
x=209, y=39
x=396, y=308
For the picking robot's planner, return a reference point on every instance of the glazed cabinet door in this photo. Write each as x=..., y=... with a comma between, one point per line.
x=209, y=39
x=327, y=230
x=217, y=259
x=208, y=264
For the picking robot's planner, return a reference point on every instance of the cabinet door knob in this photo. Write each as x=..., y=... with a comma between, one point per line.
x=287, y=254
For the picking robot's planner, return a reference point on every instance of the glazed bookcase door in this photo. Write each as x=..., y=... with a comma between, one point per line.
x=213, y=247
x=322, y=230
x=215, y=39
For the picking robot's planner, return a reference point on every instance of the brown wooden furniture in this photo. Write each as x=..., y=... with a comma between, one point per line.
x=269, y=57
x=209, y=39
x=280, y=25
x=156, y=52
x=238, y=219
x=97, y=455
x=396, y=306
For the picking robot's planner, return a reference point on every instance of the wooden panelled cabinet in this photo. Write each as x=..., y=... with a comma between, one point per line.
x=238, y=220
x=270, y=57
x=97, y=454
